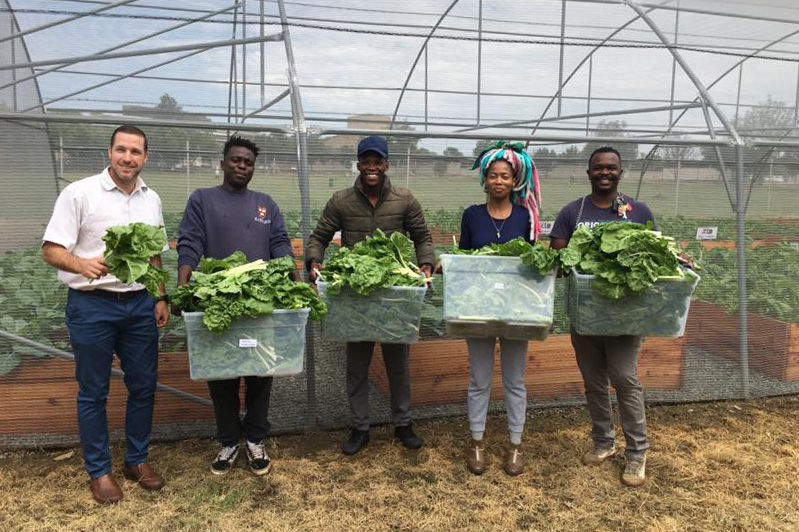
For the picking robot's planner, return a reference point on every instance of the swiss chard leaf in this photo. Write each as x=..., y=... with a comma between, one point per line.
x=375, y=262
x=128, y=250
x=250, y=289
x=624, y=257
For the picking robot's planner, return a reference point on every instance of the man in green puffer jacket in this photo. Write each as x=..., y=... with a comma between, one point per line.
x=373, y=203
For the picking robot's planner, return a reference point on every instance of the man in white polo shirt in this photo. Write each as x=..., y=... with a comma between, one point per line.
x=105, y=316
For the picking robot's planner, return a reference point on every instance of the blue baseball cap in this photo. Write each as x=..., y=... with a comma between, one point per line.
x=375, y=144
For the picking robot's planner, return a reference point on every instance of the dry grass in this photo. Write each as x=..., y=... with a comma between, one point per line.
x=713, y=467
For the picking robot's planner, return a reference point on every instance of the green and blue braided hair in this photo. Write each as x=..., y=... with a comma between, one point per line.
x=526, y=189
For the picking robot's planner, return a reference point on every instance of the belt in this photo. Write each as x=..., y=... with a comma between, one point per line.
x=116, y=296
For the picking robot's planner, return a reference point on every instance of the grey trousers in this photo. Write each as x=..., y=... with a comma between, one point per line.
x=606, y=360
x=481, y=375
x=395, y=358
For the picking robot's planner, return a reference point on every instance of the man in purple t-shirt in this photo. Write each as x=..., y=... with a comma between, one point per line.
x=608, y=359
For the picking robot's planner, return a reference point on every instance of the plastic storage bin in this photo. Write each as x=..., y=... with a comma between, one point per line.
x=268, y=346
x=390, y=315
x=486, y=296
x=661, y=310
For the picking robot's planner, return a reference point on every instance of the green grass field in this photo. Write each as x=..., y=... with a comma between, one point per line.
x=25, y=206
x=693, y=199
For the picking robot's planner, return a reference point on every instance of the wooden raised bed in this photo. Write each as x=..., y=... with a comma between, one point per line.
x=39, y=396
x=439, y=369
x=773, y=344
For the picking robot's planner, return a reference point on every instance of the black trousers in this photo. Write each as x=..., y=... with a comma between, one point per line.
x=225, y=396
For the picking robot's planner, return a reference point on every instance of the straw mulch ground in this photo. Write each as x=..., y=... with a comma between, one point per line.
x=731, y=466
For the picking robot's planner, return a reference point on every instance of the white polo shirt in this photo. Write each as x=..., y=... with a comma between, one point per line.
x=82, y=213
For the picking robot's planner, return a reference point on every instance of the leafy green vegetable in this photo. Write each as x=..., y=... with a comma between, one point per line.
x=536, y=255
x=626, y=258
x=226, y=289
x=772, y=280
x=128, y=250
x=375, y=262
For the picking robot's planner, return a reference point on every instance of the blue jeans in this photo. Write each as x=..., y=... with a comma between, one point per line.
x=98, y=328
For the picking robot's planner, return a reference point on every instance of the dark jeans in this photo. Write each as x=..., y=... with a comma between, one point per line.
x=395, y=358
x=99, y=327
x=225, y=395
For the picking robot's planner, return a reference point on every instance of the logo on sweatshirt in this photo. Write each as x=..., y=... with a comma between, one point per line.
x=263, y=212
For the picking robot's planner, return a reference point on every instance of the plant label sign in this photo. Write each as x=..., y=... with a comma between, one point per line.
x=499, y=286
x=707, y=233
x=546, y=227
x=248, y=342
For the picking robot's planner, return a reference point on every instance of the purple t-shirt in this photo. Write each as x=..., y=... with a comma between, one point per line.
x=570, y=218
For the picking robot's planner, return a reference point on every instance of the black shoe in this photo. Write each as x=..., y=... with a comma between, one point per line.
x=225, y=459
x=407, y=437
x=358, y=438
x=258, y=461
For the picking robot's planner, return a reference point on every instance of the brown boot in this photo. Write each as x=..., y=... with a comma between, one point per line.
x=476, y=456
x=105, y=489
x=145, y=475
x=514, y=462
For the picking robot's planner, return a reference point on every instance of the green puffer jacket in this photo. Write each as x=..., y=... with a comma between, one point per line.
x=350, y=212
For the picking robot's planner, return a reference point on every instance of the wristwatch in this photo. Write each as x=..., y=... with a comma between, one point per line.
x=164, y=298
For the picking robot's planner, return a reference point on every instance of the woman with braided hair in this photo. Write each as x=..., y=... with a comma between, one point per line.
x=510, y=180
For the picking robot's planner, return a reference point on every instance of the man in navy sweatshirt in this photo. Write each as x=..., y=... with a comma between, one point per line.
x=217, y=222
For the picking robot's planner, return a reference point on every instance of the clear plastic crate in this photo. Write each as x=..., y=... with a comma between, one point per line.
x=390, y=315
x=661, y=310
x=268, y=346
x=489, y=296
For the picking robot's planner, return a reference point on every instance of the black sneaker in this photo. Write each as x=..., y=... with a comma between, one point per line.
x=225, y=459
x=408, y=438
x=258, y=461
x=358, y=438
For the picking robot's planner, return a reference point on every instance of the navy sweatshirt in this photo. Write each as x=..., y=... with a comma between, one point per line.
x=218, y=221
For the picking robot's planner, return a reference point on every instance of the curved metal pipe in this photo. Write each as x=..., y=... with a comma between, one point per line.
x=688, y=71
x=568, y=78
x=711, y=132
x=416, y=61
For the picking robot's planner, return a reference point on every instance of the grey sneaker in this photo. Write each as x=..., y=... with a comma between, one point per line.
x=225, y=459
x=598, y=455
x=634, y=472
x=259, y=462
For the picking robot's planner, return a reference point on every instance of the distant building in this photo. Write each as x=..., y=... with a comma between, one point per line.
x=147, y=111
x=350, y=142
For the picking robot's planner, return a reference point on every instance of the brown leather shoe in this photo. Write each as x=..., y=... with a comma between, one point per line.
x=514, y=462
x=145, y=475
x=476, y=456
x=105, y=489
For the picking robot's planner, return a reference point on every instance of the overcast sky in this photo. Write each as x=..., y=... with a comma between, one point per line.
x=622, y=77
